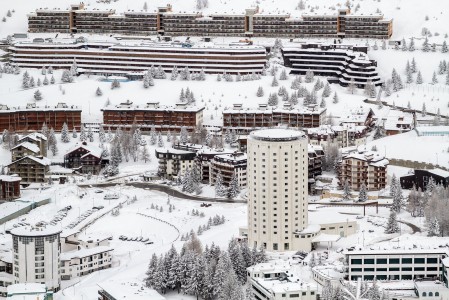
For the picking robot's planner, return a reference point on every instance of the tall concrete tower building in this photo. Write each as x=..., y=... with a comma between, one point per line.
x=277, y=188
x=37, y=256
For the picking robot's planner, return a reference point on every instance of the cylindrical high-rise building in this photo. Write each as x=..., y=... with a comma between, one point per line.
x=37, y=256
x=277, y=188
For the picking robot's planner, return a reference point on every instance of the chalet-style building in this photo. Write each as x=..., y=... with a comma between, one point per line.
x=38, y=139
x=32, y=117
x=244, y=120
x=30, y=168
x=174, y=162
x=164, y=118
x=9, y=187
x=85, y=159
x=316, y=156
x=345, y=135
x=229, y=165
x=341, y=64
x=164, y=21
x=397, y=121
x=420, y=179
x=359, y=117
x=363, y=167
x=24, y=149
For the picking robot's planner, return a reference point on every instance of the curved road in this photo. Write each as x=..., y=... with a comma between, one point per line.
x=163, y=188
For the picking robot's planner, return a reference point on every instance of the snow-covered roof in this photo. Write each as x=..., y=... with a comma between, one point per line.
x=56, y=169
x=374, y=158
x=30, y=146
x=358, y=115
x=396, y=119
x=68, y=232
x=386, y=251
x=8, y=178
x=129, y=290
x=36, y=136
x=312, y=228
x=26, y=289
x=60, y=106
x=40, y=160
x=237, y=157
x=324, y=237
x=85, y=252
x=35, y=232
x=439, y=172
x=95, y=237
x=172, y=151
x=443, y=130
x=277, y=134
x=94, y=150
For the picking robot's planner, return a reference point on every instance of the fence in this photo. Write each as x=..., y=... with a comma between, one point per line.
x=24, y=210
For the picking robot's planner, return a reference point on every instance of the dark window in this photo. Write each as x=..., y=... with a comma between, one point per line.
x=394, y=269
x=369, y=269
x=407, y=261
x=419, y=269
x=406, y=269
x=356, y=269
x=356, y=261
x=381, y=269
x=394, y=260
x=432, y=260
x=420, y=261
x=369, y=261
x=382, y=261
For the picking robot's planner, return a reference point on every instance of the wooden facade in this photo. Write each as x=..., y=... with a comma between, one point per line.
x=23, y=119
x=163, y=118
x=244, y=121
x=9, y=187
x=85, y=159
x=251, y=23
x=31, y=169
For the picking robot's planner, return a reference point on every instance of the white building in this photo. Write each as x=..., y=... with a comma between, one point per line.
x=130, y=289
x=276, y=280
x=277, y=188
x=36, y=256
x=394, y=264
x=23, y=291
x=229, y=165
x=85, y=261
x=174, y=162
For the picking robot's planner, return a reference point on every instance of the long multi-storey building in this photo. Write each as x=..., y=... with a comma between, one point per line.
x=394, y=264
x=342, y=64
x=133, y=58
x=32, y=117
x=277, y=189
x=246, y=120
x=163, y=118
x=340, y=24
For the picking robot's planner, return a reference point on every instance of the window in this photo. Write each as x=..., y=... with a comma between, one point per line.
x=432, y=260
x=369, y=269
x=394, y=269
x=356, y=269
x=420, y=261
x=294, y=295
x=369, y=261
x=394, y=260
x=407, y=261
x=382, y=261
x=424, y=294
x=407, y=269
x=354, y=261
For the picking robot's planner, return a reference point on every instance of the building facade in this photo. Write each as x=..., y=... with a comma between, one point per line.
x=420, y=179
x=245, y=120
x=275, y=281
x=359, y=167
x=85, y=261
x=345, y=135
x=30, y=168
x=85, y=159
x=36, y=256
x=342, y=64
x=9, y=187
x=164, y=21
x=277, y=188
x=174, y=162
x=32, y=117
x=163, y=118
x=114, y=58
x=229, y=165
x=394, y=264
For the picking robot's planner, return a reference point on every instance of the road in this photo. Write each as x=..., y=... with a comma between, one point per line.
x=165, y=189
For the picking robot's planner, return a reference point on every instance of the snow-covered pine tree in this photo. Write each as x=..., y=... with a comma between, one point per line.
x=234, y=188
x=434, y=227
x=283, y=75
x=363, y=196
x=309, y=76
x=335, y=98
x=45, y=81
x=434, y=78
x=90, y=134
x=274, y=82
x=326, y=90
x=392, y=224
x=184, y=135
x=83, y=134
x=260, y=92
x=411, y=47
x=419, y=79
x=38, y=95
x=160, y=142
x=65, y=136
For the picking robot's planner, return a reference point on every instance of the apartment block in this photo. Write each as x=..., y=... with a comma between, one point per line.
x=174, y=162
x=342, y=64
x=229, y=165
x=244, y=120
x=163, y=118
x=78, y=19
x=363, y=167
x=32, y=117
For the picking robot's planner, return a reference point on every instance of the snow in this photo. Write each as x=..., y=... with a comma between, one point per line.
x=26, y=288
x=273, y=134
x=85, y=252
x=130, y=290
x=28, y=231
x=32, y=147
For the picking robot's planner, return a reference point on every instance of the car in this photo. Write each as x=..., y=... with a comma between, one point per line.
x=359, y=217
x=99, y=191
